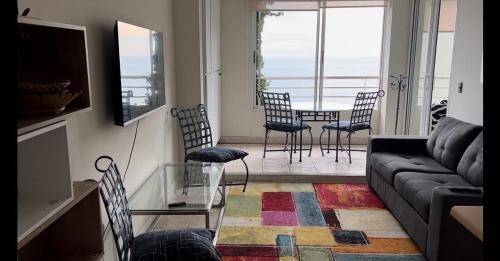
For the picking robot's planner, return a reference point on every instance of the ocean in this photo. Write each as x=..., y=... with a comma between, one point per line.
x=335, y=90
x=338, y=90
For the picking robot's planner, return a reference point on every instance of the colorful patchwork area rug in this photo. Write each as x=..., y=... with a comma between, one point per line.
x=311, y=222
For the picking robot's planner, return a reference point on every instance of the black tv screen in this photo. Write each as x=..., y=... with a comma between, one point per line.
x=141, y=84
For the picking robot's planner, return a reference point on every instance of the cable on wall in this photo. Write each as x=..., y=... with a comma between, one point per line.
x=128, y=163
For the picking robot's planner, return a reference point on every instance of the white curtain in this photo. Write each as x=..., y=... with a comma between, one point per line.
x=310, y=4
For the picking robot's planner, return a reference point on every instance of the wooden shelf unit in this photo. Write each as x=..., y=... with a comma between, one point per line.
x=72, y=233
x=43, y=177
x=52, y=52
x=58, y=219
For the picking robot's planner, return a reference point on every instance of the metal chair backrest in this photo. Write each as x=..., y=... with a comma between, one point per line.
x=277, y=107
x=114, y=198
x=363, y=107
x=195, y=128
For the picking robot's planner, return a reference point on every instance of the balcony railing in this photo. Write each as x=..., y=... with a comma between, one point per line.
x=346, y=94
x=128, y=89
x=341, y=89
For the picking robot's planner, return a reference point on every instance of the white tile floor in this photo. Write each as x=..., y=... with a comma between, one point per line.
x=277, y=162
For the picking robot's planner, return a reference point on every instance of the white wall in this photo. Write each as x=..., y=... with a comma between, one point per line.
x=94, y=134
x=466, y=65
x=241, y=123
x=188, y=58
x=396, y=48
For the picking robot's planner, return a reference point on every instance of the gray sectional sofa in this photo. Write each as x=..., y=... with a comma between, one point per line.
x=420, y=178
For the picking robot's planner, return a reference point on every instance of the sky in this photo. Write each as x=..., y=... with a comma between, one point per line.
x=350, y=32
x=133, y=40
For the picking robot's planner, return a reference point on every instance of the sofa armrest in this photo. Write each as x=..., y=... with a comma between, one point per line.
x=442, y=233
x=408, y=144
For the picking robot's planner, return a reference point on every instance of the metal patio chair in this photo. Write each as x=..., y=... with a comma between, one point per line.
x=278, y=115
x=361, y=117
x=192, y=244
x=197, y=134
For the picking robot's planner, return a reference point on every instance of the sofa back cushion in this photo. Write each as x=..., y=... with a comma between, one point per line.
x=449, y=139
x=470, y=166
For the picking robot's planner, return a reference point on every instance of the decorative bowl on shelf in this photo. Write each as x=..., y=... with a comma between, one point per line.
x=38, y=99
x=38, y=88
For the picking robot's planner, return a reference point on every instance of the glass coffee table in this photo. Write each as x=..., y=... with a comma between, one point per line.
x=181, y=189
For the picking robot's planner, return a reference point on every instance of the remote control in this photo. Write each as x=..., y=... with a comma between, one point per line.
x=177, y=204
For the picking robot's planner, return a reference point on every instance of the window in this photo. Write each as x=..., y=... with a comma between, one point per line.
x=318, y=55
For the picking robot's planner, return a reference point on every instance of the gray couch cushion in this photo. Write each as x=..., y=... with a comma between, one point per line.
x=416, y=188
x=470, y=166
x=449, y=140
x=389, y=164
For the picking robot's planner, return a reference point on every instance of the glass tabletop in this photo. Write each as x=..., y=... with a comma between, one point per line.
x=328, y=106
x=195, y=184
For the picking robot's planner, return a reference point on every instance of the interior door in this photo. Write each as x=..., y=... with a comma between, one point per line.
x=211, y=64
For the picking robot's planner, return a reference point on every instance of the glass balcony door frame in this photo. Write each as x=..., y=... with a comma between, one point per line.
x=319, y=54
x=253, y=48
x=413, y=74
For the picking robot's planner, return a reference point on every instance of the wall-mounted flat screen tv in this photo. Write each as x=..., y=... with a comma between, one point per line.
x=141, y=85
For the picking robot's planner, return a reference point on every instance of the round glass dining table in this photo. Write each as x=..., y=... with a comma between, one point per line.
x=326, y=112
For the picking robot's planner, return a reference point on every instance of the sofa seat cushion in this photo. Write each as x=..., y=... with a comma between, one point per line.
x=388, y=164
x=416, y=188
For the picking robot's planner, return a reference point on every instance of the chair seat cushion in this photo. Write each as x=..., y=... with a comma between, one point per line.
x=189, y=244
x=389, y=164
x=416, y=188
x=286, y=127
x=216, y=154
x=346, y=126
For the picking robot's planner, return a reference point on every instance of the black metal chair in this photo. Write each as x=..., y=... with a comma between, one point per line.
x=361, y=117
x=188, y=244
x=196, y=133
x=278, y=114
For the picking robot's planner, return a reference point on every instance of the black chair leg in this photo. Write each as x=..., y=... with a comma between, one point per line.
x=286, y=142
x=291, y=146
x=349, y=136
x=186, y=181
x=295, y=145
x=320, y=143
x=328, y=150
x=370, y=131
x=265, y=143
x=246, y=179
x=311, y=148
x=328, y=147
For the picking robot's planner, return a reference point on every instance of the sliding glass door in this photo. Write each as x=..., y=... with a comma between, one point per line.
x=319, y=51
x=285, y=56
x=430, y=64
x=352, y=52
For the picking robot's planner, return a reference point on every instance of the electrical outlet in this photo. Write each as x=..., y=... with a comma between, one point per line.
x=460, y=87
